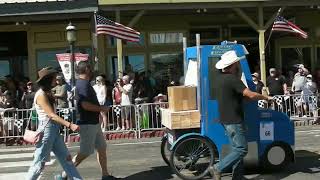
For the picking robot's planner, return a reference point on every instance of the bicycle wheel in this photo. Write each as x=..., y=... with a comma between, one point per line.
x=191, y=157
x=165, y=152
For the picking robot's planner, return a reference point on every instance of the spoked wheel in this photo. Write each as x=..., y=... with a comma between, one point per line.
x=191, y=157
x=165, y=152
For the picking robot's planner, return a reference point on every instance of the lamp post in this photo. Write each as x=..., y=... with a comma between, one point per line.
x=72, y=38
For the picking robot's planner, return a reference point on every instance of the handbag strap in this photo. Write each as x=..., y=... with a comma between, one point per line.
x=30, y=118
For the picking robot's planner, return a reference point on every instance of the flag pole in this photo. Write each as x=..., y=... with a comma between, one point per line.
x=119, y=49
x=95, y=44
x=278, y=13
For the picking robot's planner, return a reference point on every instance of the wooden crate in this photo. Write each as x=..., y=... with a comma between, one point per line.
x=181, y=119
x=182, y=98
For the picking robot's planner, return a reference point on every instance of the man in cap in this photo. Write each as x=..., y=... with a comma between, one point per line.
x=60, y=92
x=308, y=91
x=276, y=84
x=256, y=80
x=230, y=95
x=299, y=79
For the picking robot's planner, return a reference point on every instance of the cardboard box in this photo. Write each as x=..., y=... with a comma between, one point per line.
x=182, y=98
x=181, y=119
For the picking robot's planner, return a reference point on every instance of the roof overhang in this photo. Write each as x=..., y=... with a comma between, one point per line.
x=46, y=7
x=111, y=5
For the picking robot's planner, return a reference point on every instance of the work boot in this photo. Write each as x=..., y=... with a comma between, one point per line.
x=214, y=173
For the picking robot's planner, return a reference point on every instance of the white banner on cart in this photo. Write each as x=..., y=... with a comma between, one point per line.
x=266, y=131
x=191, y=78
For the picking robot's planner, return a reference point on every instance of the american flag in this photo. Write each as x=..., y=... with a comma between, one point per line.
x=106, y=26
x=281, y=24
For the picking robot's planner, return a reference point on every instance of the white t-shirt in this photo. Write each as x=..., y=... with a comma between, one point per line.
x=101, y=92
x=126, y=98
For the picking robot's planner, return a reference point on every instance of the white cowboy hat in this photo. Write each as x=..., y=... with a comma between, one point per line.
x=227, y=59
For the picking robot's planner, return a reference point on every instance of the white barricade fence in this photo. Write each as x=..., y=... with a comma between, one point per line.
x=120, y=119
x=149, y=116
x=296, y=106
x=13, y=123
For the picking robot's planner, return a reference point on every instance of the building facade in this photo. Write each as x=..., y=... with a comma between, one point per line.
x=163, y=24
x=33, y=32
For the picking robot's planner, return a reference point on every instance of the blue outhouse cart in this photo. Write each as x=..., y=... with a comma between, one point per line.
x=270, y=134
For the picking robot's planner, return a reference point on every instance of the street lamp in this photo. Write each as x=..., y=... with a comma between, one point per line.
x=72, y=38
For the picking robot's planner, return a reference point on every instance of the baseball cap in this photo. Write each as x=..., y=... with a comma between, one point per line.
x=272, y=70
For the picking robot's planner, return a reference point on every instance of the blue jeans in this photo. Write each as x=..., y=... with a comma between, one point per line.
x=239, y=145
x=52, y=141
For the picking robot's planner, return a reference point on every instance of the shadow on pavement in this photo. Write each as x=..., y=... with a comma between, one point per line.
x=306, y=162
x=156, y=173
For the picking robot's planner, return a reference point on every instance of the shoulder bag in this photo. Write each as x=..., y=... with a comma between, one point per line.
x=32, y=136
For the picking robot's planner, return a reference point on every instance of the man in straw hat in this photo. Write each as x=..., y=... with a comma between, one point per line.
x=230, y=94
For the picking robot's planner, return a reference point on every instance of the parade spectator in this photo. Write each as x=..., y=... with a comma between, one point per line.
x=126, y=99
x=60, y=93
x=276, y=83
x=11, y=85
x=28, y=96
x=101, y=91
x=91, y=136
x=317, y=78
x=22, y=87
x=8, y=100
x=116, y=99
x=49, y=124
x=256, y=80
x=299, y=79
x=308, y=90
x=230, y=96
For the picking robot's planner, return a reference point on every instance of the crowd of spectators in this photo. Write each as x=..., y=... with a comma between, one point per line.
x=302, y=83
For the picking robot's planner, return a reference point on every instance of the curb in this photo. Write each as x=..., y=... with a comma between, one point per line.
x=305, y=123
x=122, y=135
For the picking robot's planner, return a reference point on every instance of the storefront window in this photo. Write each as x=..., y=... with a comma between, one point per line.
x=167, y=67
x=208, y=35
x=166, y=37
x=113, y=41
x=48, y=57
x=318, y=58
x=290, y=57
x=131, y=64
x=4, y=68
x=243, y=32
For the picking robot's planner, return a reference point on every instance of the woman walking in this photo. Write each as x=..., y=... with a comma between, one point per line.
x=49, y=124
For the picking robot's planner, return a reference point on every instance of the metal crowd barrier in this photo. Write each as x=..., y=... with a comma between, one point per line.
x=13, y=123
x=141, y=117
x=149, y=116
x=296, y=106
x=121, y=119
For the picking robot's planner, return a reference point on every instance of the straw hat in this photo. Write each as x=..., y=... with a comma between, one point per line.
x=227, y=59
x=45, y=72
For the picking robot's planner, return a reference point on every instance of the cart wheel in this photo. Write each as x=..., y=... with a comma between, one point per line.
x=277, y=156
x=165, y=152
x=191, y=157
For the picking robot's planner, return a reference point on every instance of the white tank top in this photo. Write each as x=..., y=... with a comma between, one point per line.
x=43, y=118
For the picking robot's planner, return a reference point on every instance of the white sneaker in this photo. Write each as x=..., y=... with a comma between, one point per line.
x=118, y=129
